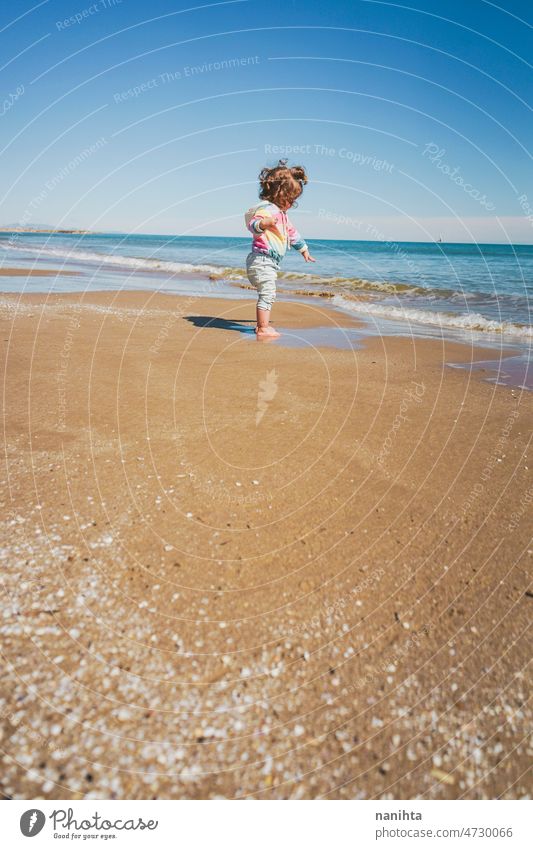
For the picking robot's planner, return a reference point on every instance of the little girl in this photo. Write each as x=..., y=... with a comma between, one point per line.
x=273, y=233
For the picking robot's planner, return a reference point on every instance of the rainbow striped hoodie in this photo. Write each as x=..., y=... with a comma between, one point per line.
x=267, y=242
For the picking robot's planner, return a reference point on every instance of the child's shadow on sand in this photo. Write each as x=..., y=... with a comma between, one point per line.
x=245, y=326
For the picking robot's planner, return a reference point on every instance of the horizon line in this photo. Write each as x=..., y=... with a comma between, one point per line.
x=81, y=231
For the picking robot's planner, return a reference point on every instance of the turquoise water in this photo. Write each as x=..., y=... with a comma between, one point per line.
x=481, y=289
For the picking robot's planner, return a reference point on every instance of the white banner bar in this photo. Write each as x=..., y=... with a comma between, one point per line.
x=267, y=824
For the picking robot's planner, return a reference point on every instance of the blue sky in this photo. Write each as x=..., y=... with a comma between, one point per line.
x=413, y=121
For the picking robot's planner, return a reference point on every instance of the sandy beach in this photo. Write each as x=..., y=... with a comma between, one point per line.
x=241, y=569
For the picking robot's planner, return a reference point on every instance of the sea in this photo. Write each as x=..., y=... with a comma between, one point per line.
x=481, y=293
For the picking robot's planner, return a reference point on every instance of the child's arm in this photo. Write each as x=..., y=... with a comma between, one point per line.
x=298, y=243
x=260, y=222
x=254, y=225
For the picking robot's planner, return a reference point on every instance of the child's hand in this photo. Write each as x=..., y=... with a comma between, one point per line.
x=307, y=256
x=269, y=223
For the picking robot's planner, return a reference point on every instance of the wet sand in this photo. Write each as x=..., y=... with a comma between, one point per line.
x=35, y=272
x=237, y=569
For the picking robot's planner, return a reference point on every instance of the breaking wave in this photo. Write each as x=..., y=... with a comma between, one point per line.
x=461, y=321
x=120, y=260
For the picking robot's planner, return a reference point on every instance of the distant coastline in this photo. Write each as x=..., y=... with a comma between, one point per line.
x=43, y=230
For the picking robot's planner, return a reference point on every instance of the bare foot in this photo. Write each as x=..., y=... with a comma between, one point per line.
x=267, y=331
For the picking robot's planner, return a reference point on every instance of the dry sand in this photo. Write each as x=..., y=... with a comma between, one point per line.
x=237, y=569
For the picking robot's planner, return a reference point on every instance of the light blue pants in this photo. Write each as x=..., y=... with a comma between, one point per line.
x=262, y=272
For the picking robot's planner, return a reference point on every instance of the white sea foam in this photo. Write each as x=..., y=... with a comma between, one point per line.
x=227, y=272
x=119, y=260
x=462, y=321
x=470, y=321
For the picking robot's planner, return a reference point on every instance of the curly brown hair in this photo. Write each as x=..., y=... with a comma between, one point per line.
x=282, y=185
